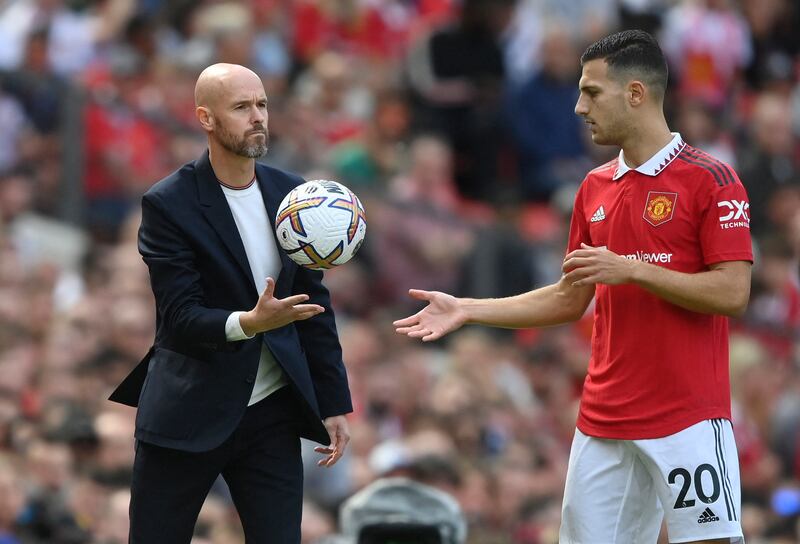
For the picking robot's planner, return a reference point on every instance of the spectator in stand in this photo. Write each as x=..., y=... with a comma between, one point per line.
x=550, y=140
x=707, y=43
x=456, y=76
x=381, y=151
x=376, y=31
x=753, y=400
x=420, y=231
x=40, y=240
x=430, y=179
x=338, y=103
x=74, y=35
x=643, y=14
x=296, y=145
x=271, y=55
x=769, y=164
x=775, y=42
x=122, y=146
x=774, y=310
x=701, y=126
x=585, y=20
x=47, y=516
x=40, y=91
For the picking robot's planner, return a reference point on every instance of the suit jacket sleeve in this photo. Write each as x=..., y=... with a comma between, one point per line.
x=175, y=281
x=320, y=342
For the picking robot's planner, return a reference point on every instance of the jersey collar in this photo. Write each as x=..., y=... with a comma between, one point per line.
x=657, y=163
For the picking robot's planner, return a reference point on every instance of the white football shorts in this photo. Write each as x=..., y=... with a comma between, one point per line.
x=618, y=491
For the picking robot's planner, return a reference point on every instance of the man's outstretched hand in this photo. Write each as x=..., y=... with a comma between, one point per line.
x=442, y=315
x=273, y=313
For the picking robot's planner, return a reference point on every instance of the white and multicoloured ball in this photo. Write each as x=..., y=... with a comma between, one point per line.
x=321, y=224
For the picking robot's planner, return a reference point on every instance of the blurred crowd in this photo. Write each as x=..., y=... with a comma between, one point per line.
x=453, y=121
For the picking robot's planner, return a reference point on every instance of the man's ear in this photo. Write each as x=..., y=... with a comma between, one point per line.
x=636, y=93
x=205, y=117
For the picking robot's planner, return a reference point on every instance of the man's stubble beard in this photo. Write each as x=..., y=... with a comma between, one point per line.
x=613, y=134
x=239, y=146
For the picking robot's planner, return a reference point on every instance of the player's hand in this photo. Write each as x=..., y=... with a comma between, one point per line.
x=441, y=316
x=592, y=265
x=339, y=433
x=272, y=313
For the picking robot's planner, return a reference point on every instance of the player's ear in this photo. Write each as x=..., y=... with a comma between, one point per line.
x=205, y=117
x=636, y=92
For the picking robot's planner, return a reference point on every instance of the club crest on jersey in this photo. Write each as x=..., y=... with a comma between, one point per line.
x=660, y=207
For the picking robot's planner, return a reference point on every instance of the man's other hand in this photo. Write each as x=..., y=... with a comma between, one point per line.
x=592, y=265
x=339, y=434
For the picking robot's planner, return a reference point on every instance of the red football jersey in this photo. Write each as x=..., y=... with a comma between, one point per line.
x=657, y=368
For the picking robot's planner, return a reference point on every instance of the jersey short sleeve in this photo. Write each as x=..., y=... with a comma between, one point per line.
x=725, y=224
x=578, y=227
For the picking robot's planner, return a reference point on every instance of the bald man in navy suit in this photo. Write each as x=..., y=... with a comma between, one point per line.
x=246, y=358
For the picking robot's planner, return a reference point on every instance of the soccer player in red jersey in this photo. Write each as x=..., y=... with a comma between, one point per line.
x=660, y=237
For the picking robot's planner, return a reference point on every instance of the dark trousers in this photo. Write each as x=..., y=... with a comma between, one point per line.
x=260, y=462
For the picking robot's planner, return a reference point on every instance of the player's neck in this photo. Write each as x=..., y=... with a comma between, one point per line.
x=230, y=168
x=645, y=141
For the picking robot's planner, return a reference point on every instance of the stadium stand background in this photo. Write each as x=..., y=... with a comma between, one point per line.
x=453, y=121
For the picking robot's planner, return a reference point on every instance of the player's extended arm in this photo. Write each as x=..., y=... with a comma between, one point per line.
x=724, y=289
x=554, y=304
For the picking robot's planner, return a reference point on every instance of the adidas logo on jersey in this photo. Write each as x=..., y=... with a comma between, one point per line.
x=707, y=516
x=599, y=215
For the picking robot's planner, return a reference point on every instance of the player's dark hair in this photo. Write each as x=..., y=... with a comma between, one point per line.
x=634, y=52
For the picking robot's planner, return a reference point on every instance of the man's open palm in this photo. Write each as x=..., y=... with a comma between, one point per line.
x=442, y=315
x=273, y=313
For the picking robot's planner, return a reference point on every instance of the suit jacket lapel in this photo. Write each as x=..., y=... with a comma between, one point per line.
x=272, y=199
x=218, y=213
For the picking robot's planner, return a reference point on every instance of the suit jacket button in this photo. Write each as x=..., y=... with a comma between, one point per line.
x=250, y=379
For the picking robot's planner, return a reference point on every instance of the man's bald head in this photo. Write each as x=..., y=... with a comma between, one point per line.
x=221, y=79
x=232, y=109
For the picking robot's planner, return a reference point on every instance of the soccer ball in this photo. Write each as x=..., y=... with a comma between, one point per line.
x=321, y=224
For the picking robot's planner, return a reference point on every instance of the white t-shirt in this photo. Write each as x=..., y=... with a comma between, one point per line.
x=250, y=215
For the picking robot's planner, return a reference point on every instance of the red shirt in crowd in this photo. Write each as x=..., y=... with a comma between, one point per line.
x=657, y=368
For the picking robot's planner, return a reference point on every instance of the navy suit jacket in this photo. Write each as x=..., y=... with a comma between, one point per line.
x=193, y=386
